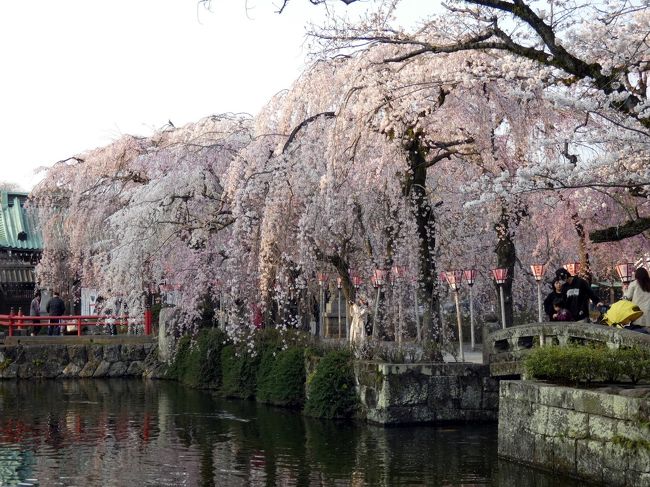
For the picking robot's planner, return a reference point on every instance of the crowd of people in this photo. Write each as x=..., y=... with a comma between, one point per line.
x=112, y=309
x=570, y=296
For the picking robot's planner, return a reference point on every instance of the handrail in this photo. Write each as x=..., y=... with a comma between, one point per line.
x=504, y=350
x=18, y=321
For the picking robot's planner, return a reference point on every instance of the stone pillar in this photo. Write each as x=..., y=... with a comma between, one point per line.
x=491, y=324
x=168, y=318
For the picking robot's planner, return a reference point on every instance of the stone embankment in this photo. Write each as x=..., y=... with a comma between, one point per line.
x=392, y=394
x=66, y=357
x=601, y=435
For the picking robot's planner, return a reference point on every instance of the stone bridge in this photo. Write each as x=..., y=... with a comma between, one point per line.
x=504, y=350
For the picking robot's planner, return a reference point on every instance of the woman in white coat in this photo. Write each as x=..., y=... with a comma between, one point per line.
x=359, y=313
x=639, y=293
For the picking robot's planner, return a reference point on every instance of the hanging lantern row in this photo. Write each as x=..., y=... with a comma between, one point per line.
x=625, y=272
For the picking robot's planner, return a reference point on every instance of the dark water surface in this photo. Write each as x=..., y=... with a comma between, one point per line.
x=130, y=432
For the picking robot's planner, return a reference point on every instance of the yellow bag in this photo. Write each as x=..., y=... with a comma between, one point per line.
x=622, y=313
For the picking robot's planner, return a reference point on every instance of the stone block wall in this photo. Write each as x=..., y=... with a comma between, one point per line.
x=78, y=361
x=426, y=393
x=600, y=435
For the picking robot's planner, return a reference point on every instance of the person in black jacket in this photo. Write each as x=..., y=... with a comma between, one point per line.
x=55, y=307
x=578, y=293
x=552, y=296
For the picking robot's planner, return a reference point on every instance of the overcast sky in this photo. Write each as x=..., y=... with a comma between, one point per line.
x=77, y=74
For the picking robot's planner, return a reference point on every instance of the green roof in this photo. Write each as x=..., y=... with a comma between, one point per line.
x=17, y=226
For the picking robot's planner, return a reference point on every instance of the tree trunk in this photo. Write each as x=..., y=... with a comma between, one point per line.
x=414, y=187
x=583, y=254
x=506, y=258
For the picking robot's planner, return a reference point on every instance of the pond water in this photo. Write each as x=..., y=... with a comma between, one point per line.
x=132, y=432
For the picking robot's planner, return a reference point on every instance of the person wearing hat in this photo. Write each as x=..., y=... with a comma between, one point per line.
x=578, y=292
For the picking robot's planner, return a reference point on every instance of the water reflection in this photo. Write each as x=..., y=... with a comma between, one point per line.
x=121, y=432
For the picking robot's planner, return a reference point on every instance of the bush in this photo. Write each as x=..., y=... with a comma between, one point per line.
x=198, y=364
x=586, y=364
x=281, y=378
x=239, y=373
x=331, y=388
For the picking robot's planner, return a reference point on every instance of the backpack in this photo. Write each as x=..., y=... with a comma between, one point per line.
x=622, y=313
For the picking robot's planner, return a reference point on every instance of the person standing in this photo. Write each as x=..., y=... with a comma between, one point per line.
x=639, y=293
x=55, y=307
x=578, y=292
x=35, y=310
x=112, y=311
x=359, y=313
x=552, y=296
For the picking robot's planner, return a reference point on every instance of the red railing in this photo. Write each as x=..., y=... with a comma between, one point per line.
x=21, y=321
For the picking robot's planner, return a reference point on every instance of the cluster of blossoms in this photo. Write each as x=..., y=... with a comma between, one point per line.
x=429, y=150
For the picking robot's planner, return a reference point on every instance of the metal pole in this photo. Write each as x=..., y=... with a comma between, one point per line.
x=347, y=312
x=374, y=320
x=471, y=318
x=503, y=307
x=399, y=316
x=539, y=311
x=417, y=315
x=339, y=309
x=319, y=330
x=539, y=301
x=461, y=354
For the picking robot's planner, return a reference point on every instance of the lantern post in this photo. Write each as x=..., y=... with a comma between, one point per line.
x=443, y=280
x=379, y=279
x=418, y=331
x=538, y=274
x=399, y=273
x=454, y=279
x=500, y=275
x=322, y=279
x=339, y=285
x=625, y=272
x=470, y=277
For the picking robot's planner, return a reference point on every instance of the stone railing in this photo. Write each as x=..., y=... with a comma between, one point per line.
x=504, y=350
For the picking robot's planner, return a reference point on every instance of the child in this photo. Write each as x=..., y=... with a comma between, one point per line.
x=561, y=313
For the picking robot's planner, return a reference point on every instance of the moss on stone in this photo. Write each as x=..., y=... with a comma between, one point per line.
x=331, y=391
x=631, y=444
x=281, y=378
x=198, y=363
